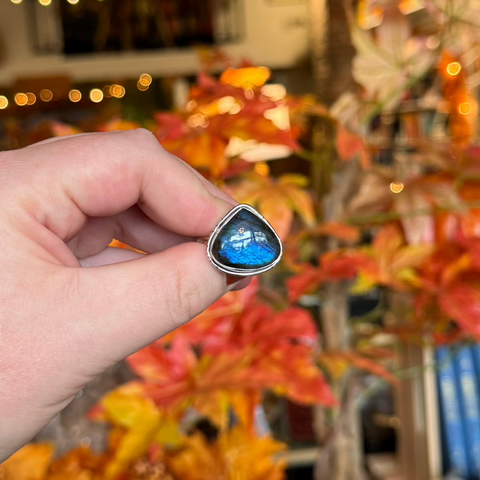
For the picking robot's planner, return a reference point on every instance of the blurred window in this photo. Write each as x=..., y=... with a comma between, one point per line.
x=98, y=26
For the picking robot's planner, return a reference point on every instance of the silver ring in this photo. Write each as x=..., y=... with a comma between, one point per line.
x=244, y=243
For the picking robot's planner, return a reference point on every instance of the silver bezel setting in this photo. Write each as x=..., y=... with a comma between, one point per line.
x=240, y=271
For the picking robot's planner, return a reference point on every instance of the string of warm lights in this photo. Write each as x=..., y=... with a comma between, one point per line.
x=96, y=95
x=46, y=3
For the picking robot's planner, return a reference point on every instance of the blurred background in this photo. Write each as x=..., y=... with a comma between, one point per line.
x=352, y=127
x=60, y=47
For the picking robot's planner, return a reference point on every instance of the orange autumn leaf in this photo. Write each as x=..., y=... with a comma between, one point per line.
x=388, y=261
x=306, y=281
x=351, y=146
x=356, y=359
x=78, y=464
x=62, y=129
x=301, y=379
x=30, y=463
x=395, y=263
x=245, y=78
x=451, y=279
x=118, y=124
x=211, y=385
x=233, y=456
x=341, y=231
x=277, y=199
x=207, y=151
x=461, y=302
x=201, y=150
x=254, y=349
x=216, y=113
x=343, y=264
x=395, y=258
x=215, y=323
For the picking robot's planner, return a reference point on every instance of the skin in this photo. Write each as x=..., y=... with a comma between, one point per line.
x=61, y=325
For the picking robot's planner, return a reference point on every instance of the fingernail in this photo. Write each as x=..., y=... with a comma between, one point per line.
x=233, y=281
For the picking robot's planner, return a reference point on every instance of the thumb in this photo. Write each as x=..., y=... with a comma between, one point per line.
x=128, y=305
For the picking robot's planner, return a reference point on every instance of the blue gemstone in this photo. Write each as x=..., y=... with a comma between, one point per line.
x=246, y=242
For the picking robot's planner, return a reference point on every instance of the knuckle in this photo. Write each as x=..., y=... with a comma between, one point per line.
x=144, y=138
x=145, y=144
x=186, y=299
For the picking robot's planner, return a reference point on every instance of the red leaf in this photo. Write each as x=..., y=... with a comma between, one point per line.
x=462, y=304
x=305, y=282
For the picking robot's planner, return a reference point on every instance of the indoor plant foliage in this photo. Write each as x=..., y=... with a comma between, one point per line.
x=420, y=209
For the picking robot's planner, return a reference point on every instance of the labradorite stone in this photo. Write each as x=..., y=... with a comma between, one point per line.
x=246, y=242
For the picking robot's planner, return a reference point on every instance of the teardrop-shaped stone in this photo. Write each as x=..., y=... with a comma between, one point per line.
x=246, y=242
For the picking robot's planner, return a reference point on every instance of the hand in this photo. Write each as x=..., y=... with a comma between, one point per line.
x=62, y=202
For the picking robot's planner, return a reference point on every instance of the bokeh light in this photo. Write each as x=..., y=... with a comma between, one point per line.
x=31, y=98
x=262, y=169
x=465, y=108
x=3, y=102
x=197, y=120
x=454, y=68
x=45, y=3
x=141, y=87
x=16, y=1
x=21, y=99
x=46, y=95
x=117, y=91
x=96, y=95
x=145, y=80
x=75, y=96
x=73, y=2
x=397, y=187
x=225, y=104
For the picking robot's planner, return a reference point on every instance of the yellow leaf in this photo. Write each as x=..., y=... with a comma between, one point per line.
x=294, y=179
x=363, y=284
x=168, y=433
x=128, y=411
x=302, y=204
x=215, y=406
x=132, y=446
x=234, y=456
x=30, y=463
x=244, y=403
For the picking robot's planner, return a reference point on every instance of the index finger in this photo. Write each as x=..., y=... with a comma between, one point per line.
x=103, y=175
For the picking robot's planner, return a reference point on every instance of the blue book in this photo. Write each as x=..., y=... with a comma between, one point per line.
x=476, y=361
x=469, y=407
x=455, y=454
